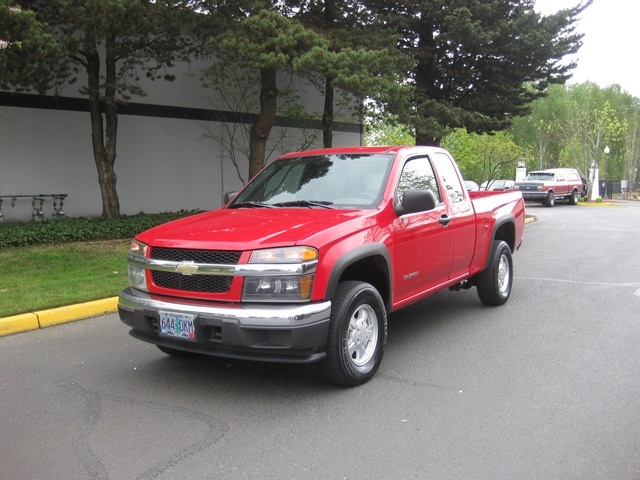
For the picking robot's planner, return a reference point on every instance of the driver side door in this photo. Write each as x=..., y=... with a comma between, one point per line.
x=423, y=243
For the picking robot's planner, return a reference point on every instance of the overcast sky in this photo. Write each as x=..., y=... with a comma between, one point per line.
x=609, y=53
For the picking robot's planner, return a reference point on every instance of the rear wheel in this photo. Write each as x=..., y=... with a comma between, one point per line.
x=549, y=200
x=357, y=335
x=494, y=283
x=573, y=200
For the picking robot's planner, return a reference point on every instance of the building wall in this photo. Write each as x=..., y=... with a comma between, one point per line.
x=164, y=161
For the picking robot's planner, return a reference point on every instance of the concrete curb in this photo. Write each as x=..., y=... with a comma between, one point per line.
x=55, y=316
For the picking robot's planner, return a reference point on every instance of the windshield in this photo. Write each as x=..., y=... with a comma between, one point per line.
x=324, y=181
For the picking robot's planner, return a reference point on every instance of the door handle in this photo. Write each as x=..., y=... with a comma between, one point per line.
x=444, y=220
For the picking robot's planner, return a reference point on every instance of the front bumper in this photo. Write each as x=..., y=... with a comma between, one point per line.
x=534, y=196
x=278, y=333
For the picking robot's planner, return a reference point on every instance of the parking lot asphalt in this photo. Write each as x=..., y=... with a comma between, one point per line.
x=55, y=316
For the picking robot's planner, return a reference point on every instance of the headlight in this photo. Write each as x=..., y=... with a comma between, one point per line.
x=278, y=289
x=137, y=275
x=284, y=255
x=274, y=287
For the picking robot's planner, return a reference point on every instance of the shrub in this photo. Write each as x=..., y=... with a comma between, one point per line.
x=599, y=200
x=82, y=229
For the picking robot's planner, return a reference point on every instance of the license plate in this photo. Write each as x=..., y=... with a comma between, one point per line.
x=177, y=325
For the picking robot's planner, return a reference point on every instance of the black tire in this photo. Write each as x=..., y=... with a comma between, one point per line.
x=549, y=200
x=494, y=283
x=357, y=335
x=575, y=197
x=176, y=353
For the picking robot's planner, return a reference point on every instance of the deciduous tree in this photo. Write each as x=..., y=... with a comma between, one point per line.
x=485, y=157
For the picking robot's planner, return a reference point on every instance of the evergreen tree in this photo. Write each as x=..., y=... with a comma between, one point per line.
x=359, y=57
x=479, y=63
x=30, y=57
x=264, y=40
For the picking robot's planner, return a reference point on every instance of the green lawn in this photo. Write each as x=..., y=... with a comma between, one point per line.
x=40, y=277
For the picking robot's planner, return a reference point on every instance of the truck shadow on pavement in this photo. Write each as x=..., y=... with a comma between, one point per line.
x=412, y=328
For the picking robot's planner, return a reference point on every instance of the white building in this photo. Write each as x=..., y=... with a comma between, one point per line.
x=164, y=161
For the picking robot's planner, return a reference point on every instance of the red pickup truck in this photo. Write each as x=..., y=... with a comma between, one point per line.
x=309, y=258
x=547, y=186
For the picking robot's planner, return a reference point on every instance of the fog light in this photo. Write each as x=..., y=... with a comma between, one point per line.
x=137, y=278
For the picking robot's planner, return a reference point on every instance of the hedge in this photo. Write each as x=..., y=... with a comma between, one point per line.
x=82, y=229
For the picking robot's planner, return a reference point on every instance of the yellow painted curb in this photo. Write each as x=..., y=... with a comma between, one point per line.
x=18, y=323
x=59, y=315
x=56, y=316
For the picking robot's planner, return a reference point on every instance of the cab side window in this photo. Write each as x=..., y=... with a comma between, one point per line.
x=418, y=174
x=449, y=176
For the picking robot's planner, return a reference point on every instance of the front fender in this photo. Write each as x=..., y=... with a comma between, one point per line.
x=376, y=251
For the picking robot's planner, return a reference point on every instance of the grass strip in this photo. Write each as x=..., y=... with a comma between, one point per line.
x=39, y=277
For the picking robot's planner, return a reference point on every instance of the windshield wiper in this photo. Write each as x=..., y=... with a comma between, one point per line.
x=305, y=203
x=251, y=205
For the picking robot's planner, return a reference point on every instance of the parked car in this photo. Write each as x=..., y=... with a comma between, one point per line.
x=305, y=263
x=547, y=186
x=498, y=185
x=471, y=186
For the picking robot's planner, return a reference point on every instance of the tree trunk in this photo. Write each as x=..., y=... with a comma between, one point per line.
x=329, y=20
x=260, y=130
x=111, y=203
x=426, y=124
x=104, y=152
x=327, y=114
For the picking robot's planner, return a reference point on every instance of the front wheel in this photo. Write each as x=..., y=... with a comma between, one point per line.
x=357, y=335
x=494, y=283
x=549, y=200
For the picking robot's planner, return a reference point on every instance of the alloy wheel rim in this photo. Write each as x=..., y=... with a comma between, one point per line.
x=362, y=335
x=503, y=274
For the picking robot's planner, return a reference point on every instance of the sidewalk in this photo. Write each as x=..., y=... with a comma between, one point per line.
x=54, y=316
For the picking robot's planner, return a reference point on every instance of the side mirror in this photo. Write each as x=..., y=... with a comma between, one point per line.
x=228, y=196
x=414, y=201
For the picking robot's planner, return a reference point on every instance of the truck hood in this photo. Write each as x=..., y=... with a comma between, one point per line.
x=251, y=228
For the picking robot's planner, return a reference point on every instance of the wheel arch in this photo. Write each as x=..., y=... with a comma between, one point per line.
x=369, y=263
x=505, y=229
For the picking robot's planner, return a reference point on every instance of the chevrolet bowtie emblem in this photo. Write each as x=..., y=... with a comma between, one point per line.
x=187, y=268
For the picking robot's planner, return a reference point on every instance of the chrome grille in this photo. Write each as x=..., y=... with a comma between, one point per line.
x=194, y=283
x=225, y=257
